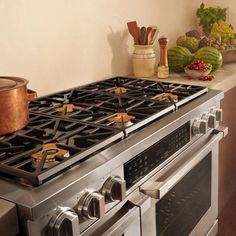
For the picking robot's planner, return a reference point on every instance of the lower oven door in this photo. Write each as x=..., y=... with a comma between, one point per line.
x=185, y=193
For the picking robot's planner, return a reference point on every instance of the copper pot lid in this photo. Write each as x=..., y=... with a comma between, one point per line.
x=8, y=83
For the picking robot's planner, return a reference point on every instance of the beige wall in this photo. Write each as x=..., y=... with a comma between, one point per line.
x=58, y=44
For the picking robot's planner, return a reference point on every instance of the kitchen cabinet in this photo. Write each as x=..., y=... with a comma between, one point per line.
x=227, y=167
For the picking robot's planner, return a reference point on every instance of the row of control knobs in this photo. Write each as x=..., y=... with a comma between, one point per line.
x=207, y=120
x=90, y=206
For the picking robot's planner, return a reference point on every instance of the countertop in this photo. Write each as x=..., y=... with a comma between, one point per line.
x=225, y=78
x=8, y=218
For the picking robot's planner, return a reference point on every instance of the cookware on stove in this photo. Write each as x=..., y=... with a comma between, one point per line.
x=14, y=98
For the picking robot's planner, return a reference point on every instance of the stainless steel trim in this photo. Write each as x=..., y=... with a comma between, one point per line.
x=214, y=229
x=180, y=103
x=157, y=189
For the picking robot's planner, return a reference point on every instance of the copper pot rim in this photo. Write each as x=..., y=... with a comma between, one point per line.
x=19, y=82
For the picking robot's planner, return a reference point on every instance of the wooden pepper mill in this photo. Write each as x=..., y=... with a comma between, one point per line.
x=163, y=68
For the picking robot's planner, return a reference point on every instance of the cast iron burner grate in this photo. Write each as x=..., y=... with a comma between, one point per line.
x=147, y=88
x=84, y=120
x=101, y=108
x=79, y=139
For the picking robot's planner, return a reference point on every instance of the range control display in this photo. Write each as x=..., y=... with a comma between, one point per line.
x=140, y=165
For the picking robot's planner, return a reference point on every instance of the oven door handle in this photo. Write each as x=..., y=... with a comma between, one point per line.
x=157, y=189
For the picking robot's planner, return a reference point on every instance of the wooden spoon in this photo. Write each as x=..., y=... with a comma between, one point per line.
x=155, y=33
x=148, y=35
x=133, y=30
x=143, y=35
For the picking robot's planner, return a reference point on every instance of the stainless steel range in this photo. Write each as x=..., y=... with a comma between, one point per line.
x=122, y=156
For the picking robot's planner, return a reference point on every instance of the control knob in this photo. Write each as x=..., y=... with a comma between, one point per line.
x=64, y=222
x=114, y=189
x=210, y=118
x=91, y=205
x=199, y=126
x=218, y=113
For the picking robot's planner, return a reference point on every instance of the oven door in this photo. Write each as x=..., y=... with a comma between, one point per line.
x=185, y=192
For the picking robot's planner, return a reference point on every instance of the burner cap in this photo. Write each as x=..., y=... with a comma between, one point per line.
x=123, y=117
x=67, y=108
x=52, y=151
x=167, y=97
x=172, y=97
x=120, y=90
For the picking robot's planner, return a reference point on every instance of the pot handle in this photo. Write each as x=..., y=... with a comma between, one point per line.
x=31, y=95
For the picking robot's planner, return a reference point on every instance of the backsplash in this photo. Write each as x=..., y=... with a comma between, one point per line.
x=61, y=44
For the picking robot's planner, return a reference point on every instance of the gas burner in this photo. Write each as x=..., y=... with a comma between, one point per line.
x=123, y=119
x=120, y=90
x=67, y=108
x=166, y=97
x=53, y=155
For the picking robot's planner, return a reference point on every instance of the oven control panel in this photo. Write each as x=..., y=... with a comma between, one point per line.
x=90, y=207
x=207, y=120
x=145, y=162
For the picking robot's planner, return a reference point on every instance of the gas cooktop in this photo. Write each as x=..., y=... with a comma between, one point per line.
x=67, y=127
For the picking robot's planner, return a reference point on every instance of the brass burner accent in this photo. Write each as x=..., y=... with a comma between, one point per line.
x=171, y=96
x=68, y=108
x=122, y=117
x=1, y=138
x=120, y=90
x=167, y=96
x=52, y=150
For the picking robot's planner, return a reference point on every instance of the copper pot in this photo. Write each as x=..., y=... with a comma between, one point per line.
x=14, y=99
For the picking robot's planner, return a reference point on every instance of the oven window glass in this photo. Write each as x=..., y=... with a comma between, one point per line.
x=179, y=211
